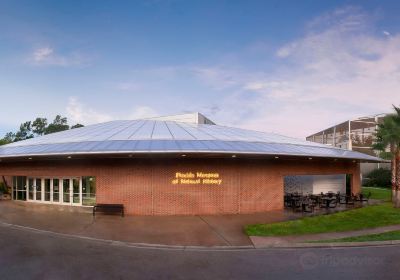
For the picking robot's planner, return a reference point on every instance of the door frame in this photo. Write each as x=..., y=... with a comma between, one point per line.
x=60, y=190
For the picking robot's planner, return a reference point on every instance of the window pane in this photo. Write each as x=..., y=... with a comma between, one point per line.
x=88, y=191
x=56, y=190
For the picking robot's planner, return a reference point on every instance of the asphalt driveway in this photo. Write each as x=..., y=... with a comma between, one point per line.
x=29, y=254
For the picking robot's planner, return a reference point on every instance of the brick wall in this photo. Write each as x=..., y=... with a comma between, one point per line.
x=145, y=186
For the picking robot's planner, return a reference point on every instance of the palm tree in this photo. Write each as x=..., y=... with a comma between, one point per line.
x=388, y=142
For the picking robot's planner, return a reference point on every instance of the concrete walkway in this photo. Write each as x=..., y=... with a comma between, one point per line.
x=221, y=230
x=288, y=241
x=206, y=230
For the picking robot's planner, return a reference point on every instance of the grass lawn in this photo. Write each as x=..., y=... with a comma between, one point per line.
x=390, y=235
x=378, y=193
x=361, y=218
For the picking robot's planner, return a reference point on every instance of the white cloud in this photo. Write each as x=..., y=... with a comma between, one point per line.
x=81, y=113
x=47, y=56
x=78, y=112
x=339, y=69
x=386, y=33
x=128, y=86
x=142, y=112
x=217, y=77
x=42, y=54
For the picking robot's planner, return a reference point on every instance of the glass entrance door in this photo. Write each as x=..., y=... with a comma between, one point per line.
x=76, y=191
x=72, y=191
x=31, y=189
x=56, y=190
x=38, y=188
x=66, y=191
x=19, y=188
x=47, y=189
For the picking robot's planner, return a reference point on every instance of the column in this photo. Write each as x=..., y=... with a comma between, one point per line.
x=42, y=190
x=350, y=146
x=27, y=188
x=51, y=190
x=80, y=190
x=71, y=187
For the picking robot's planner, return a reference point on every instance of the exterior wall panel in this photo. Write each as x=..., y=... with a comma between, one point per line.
x=145, y=186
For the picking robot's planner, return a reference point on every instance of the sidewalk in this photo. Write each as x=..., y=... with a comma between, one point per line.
x=288, y=241
x=209, y=231
x=205, y=230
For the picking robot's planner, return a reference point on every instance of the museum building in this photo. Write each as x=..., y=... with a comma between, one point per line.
x=174, y=165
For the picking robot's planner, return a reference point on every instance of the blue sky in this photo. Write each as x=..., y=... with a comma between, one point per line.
x=281, y=66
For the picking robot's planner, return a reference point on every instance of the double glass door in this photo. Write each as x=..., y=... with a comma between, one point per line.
x=55, y=190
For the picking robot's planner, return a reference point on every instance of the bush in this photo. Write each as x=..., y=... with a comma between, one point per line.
x=379, y=178
x=3, y=188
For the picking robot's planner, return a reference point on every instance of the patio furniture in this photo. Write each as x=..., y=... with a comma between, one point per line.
x=296, y=203
x=109, y=209
x=307, y=205
x=328, y=202
x=363, y=198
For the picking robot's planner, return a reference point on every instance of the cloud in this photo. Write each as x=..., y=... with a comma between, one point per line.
x=386, y=33
x=46, y=56
x=128, y=86
x=42, y=54
x=142, y=112
x=339, y=69
x=80, y=113
x=217, y=77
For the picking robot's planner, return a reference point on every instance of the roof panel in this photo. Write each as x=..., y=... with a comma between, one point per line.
x=167, y=136
x=161, y=131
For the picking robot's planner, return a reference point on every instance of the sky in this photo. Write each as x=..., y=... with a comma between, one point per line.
x=290, y=67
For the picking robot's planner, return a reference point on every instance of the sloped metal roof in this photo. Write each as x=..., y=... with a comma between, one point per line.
x=152, y=136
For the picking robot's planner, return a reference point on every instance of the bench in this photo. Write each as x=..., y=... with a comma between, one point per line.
x=109, y=209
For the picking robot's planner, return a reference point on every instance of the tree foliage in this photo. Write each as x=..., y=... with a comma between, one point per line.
x=38, y=127
x=388, y=142
x=59, y=124
x=388, y=135
x=78, y=125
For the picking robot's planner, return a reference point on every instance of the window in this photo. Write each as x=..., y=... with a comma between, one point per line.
x=19, y=188
x=88, y=191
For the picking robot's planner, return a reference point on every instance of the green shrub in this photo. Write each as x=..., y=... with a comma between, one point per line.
x=379, y=178
x=3, y=188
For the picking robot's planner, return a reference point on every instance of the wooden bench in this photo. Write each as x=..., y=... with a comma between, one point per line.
x=109, y=209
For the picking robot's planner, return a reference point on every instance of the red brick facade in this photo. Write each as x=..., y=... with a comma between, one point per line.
x=145, y=186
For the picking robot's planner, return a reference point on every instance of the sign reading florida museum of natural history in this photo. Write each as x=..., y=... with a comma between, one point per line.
x=196, y=178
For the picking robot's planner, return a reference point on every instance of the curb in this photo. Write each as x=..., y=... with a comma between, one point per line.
x=332, y=244
x=205, y=248
x=130, y=244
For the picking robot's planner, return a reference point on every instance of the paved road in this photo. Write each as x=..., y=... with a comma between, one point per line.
x=26, y=254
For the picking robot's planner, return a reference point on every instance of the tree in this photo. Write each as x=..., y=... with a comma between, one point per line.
x=58, y=124
x=9, y=138
x=39, y=126
x=388, y=142
x=78, y=125
x=25, y=132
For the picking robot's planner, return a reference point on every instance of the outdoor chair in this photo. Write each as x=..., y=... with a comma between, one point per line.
x=333, y=203
x=365, y=198
x=308, y=205
x=287, y=200
x=297, y=205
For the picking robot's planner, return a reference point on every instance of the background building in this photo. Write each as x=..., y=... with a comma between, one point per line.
x=355, y=135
